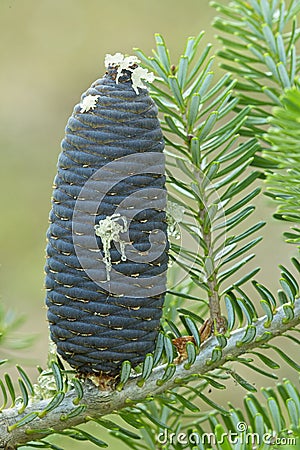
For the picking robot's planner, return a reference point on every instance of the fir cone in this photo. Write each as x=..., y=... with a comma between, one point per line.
x=107, y=239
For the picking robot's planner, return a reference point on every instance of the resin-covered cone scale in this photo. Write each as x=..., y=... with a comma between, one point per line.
x=107, y=238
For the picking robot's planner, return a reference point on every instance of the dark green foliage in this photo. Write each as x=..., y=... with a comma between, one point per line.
x=283, y=184
x=263, y=54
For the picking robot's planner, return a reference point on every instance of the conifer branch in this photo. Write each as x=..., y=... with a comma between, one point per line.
x=98, y=403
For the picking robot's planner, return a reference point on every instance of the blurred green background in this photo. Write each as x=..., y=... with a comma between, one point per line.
x=50, y=52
